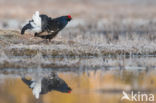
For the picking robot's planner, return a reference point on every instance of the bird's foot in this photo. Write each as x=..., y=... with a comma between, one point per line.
x=36, y=34
x=49, y=40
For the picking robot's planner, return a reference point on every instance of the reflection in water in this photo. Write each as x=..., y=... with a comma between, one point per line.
x=43, y=85
x=93, y=79
x=92, y=86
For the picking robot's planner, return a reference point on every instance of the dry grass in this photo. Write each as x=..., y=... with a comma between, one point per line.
x=99, y=28
x=75, y=51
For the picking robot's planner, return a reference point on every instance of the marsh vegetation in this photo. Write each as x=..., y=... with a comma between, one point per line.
x=108, y=47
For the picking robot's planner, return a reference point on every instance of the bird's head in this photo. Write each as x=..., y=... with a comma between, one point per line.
x=60, y=84
x=63, y=87
x=68, y=17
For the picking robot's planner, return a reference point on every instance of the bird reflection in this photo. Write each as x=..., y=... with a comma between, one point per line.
x=46, y=84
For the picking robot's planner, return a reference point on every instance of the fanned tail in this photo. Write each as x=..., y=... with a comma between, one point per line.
x=27, y=26
x=26, y=81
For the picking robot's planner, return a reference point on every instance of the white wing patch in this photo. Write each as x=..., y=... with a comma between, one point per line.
x=36, y=89
x=36, y=18
x=36, y=23
x=32, y=85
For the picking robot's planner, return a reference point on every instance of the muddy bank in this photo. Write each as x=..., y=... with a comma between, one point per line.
x=26, y=51
x=14, y=44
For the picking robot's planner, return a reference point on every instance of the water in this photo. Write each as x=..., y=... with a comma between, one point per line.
x=95, y=86
x=107, y=50
x=92, y=79
x=96, y=72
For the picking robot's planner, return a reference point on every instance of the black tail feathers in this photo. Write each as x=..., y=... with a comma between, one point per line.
x=26, y=81
x=27, y=26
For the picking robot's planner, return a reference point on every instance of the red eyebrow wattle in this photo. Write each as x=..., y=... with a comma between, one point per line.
x=69, y=16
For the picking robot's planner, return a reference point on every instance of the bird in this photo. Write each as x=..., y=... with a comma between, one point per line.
x=43, y=23
x=47, y=84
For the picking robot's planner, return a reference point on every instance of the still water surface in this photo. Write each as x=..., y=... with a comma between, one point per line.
x=100, y=83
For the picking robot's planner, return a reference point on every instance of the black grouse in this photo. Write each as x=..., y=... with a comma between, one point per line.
x=47, y=84
x=43, y=23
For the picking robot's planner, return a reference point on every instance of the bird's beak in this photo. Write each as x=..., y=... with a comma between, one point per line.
x=69, y=91
x=70, y=19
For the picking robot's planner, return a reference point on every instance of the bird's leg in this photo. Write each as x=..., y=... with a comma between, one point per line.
x=51, y=36
x=49, y=39
x=37, y=34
